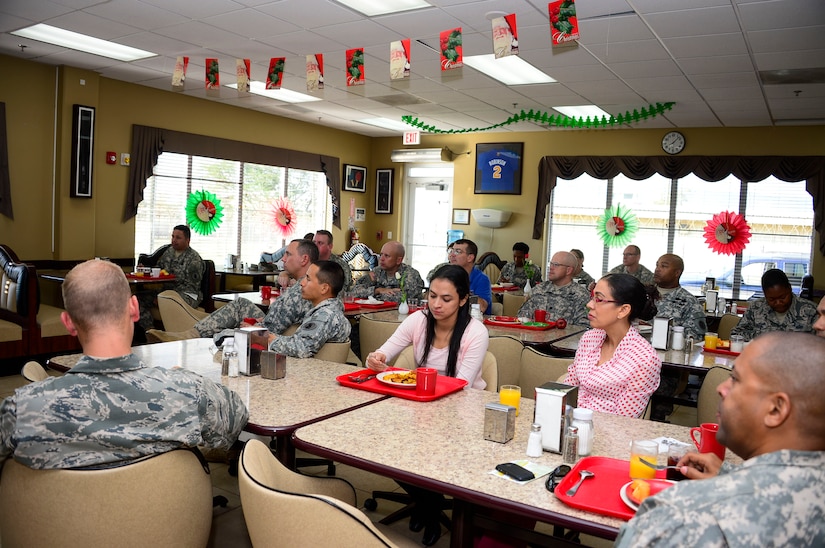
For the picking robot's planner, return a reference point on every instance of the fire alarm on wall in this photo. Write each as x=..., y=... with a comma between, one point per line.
x=111, y=157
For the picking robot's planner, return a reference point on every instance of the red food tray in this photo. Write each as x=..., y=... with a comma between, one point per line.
x=720, y=351
x=511, y=288
x=443, y=386
x=356, y=306
x=161, y=277
x=533, y=326
x=599, y=494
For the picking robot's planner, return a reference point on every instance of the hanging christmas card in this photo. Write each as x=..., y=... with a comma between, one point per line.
x=315, y=72
x=400, y=59
x=179, y=75
x=275, y=74
x=452, y=56
x=242, y=71
x=355, y=67
x=213, y=74
x=564, y=27
x=505, y=36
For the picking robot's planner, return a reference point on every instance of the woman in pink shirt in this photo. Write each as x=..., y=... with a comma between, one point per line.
x=616, y=369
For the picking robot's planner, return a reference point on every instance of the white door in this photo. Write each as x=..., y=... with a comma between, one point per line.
x=429, y=191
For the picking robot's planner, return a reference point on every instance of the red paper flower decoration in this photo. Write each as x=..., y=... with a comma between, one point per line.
x=727, y=233
x=283, y=216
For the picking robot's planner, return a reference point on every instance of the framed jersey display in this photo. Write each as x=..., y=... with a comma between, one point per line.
x=498, y=168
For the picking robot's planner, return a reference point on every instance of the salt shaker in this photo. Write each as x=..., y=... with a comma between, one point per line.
x=231, y=355
x=678, y=340
x=534, y=448
x=228, y=347
x=570, y=449
x=583, y=420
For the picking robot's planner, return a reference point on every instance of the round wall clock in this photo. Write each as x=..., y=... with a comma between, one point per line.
x=673, y=142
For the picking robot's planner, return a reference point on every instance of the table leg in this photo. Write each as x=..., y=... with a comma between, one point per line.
x=284, y=450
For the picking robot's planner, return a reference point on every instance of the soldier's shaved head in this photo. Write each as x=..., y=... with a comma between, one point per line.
x=96, y=293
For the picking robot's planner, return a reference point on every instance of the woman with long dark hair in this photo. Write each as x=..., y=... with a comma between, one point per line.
x=444, y=336
x=616, y=369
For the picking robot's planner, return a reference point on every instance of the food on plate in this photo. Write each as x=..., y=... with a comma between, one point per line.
x=402, y=377
x=639, y=490
x=163, y=272
x=561, y=323
x=723, y=344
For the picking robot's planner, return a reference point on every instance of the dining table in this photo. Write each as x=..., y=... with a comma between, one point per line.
x=352, y=307
x=258, y=277
x=308, y=393
x=440, y=445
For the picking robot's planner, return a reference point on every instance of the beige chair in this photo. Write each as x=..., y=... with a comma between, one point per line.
x=493, y=272
x=373, y=334
x=726, y=323
x=537, y=369
x=495, y=309
x=176, y=314
x=163, y=500
x=283, y=508
x=334, y=352
x=707, y=401
x=34, y=372
x=507, y=351
x=511, y=303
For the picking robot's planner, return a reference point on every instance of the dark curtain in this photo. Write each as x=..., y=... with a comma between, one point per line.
x=149, y=142
x=810, y=169
x=5, y=179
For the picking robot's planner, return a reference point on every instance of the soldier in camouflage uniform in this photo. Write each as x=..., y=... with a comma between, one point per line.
x=559, y=296
x=112, y=407
x=630, y=265
x=516, y=271
x=187, y=266
x=676, y=302
x=779, y=310
x=382, y=282
x=774, y=422
x=323, y=239
x=579, y=275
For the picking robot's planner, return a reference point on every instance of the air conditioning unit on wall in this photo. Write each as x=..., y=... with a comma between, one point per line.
x=491, y=218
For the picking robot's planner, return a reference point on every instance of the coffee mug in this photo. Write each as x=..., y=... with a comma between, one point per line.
x=540, y=315
x=425, y=379
x=707, y=439
x=266, y=292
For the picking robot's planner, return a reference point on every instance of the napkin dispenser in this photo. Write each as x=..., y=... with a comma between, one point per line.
x=273, y=365
x=499, y=422
x=553, y=399
x=710, y=301
x=660, y=336
x=249, y=359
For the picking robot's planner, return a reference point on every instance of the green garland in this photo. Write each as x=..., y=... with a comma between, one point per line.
x=559, y=120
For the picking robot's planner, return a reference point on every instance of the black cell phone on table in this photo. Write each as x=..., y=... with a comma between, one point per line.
x=518, y=473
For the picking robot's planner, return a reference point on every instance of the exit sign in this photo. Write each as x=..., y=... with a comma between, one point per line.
x=412, y=137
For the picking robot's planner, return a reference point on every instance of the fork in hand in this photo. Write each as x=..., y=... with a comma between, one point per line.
x=659, y=466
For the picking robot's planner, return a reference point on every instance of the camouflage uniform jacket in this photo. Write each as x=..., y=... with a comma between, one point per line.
x=325, y=322
x=775, y=499
x=568, y=302
x=432, y=272
x=347, y=271
x=109, y=410
x=517, y=275
x=685, y=310
x=643, y=274
x=188, y=270
x=413, y=284
x=761, y=318
x=584, y=279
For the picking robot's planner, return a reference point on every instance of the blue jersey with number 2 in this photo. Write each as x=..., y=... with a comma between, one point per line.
x=498, y=168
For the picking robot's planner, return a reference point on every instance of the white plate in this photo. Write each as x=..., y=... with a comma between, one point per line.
x=368, y=301
x=657, y=486
x=383, y=374
x=622, y=493
x=507, y=284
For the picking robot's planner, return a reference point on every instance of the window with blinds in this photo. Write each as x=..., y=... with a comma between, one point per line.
x=672, y=216
x=247, y=193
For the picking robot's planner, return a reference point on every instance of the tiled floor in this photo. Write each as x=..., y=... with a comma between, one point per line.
x=229, y=528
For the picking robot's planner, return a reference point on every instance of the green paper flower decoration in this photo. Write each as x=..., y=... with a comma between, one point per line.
x=204, y=212
x=617, y=226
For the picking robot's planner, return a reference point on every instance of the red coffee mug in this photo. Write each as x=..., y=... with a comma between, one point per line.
x=707, y=439
x=266, y=292
x=540, y=315
x=425, y=379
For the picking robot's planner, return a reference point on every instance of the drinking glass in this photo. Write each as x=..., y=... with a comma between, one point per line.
x=643, y=449
x=510, y=394
x=711, y=340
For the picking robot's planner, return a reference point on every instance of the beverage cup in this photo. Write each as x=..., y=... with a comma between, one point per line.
x=737, y=343
x=510, y=394
x=540, y=315
x=156, y=272
x=266, y=292
x=707, y=439
x=647, y=450
x=425, y=380
x=674, y=455
x=711, y=340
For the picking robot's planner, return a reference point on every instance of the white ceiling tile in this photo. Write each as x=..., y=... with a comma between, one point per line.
x=784, y=14
x=641, y=50
x=716, y=65
x=788, y=40
x=693, y=22
x=799, y=59
x=196, y=10
x=706, y=46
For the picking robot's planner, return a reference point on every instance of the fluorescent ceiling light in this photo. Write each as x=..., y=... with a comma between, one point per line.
x=371, y=8
x=511, y=70
x=386, y=123
x=583, y=111
x=81, y=42
x=285, y=95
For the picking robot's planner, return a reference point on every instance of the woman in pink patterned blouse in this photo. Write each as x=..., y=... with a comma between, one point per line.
x=615, y=368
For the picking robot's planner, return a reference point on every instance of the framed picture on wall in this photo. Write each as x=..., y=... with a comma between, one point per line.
x=83, y=140
x=383, y=190
x=355, y=178
x=498, y=168
x=461, y=216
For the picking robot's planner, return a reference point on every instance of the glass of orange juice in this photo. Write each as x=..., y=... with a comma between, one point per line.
x=711, y=340
x=643, y=449
x=510, y=394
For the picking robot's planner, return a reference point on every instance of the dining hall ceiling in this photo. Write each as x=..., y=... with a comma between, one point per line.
x=725, y=63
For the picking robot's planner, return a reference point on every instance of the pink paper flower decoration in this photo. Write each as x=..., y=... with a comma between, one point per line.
x=727, y=233
x=283, y=216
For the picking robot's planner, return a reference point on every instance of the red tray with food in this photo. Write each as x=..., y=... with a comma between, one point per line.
x=505, y=288
x=720, y=351
x=369, y=380
x=608, y=490
x=510, y=321
x=145, y=277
